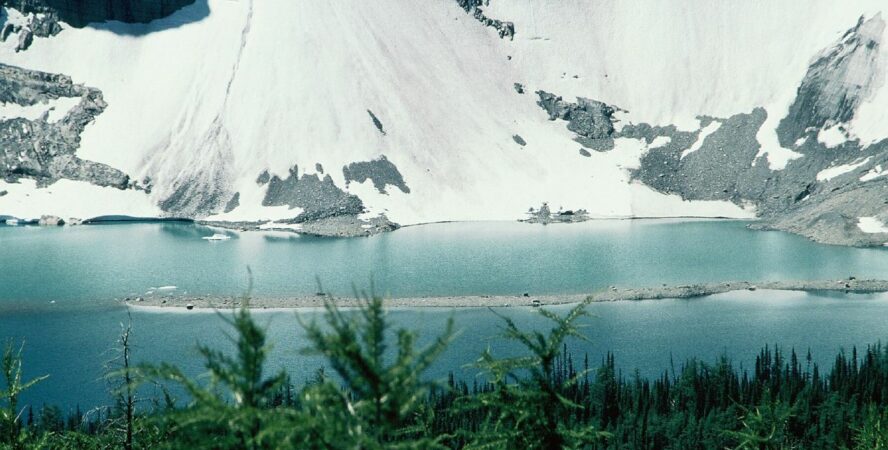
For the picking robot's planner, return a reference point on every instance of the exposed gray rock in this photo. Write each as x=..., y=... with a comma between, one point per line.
x=519, y=88
x=7, y=30
x=381, y=171
x=376, y=122
x=721, y=169
x=545, y=216
x=348, y=226
x=38, y=25
x=25, y=38
x=46, y=151
x=726, y=166
x=833, y=86
x=473, y=7
x=45, y=25
x=591, y=120
x=319, y=167
x=233, y=203
x=519, y=140
x=318, y=198
x=585, y=152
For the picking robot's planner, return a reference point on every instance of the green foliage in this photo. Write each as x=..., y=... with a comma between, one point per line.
x=764, y=427
x=378, y=396
x=13, y=435
x=382, y=403
x=527, y=405
x=230, y=411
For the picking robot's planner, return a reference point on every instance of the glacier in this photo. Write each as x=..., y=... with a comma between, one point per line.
x=298, y=114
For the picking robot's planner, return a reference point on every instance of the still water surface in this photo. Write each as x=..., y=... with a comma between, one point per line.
x=57, y=288
x=91, y=264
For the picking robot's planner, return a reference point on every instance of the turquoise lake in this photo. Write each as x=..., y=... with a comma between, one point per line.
x=95, y=264
x=58, y=285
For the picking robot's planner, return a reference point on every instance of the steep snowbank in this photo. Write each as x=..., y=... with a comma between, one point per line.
x=201, y=109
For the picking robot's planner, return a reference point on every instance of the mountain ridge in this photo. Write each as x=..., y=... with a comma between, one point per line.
x=436, y=99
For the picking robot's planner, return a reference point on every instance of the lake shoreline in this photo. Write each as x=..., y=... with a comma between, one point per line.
x=612, y=294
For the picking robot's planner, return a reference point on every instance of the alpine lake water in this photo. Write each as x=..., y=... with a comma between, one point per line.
x=59, y=291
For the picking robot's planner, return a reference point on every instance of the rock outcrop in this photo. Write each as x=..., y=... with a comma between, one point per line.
x=473, y=7
x=45, y=150
x=380, y=171
x=319, y=198
x=591, y=120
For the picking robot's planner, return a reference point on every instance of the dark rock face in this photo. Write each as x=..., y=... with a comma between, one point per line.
x=42, y=150
x=233, y=203
x=721, y=169
x=38, y=25
x=519, y=88
x=381, y=171
x=585, y=152
x=319, y=198
x=45, y=25
x=80, y=13
x=795, y=198
x=833, y=87
x=473, y=7
x=376, y=122
x=519, y=140
x=590, y=119
x=726, y=165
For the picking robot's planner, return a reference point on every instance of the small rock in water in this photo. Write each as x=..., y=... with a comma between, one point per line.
x=752, y=288
x=189, y=306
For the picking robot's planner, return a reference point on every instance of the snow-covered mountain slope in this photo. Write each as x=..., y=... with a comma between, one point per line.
x=245, y=110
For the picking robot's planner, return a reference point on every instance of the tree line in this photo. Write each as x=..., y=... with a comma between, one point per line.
x=373, y=393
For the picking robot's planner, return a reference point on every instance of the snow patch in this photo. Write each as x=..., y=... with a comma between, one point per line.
x=54, y=110
x=832, y=172
x=874, y=173
x=68, y=198
x=660, y=141
x=832, y=136
x=871, y=225
x=704, y=133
